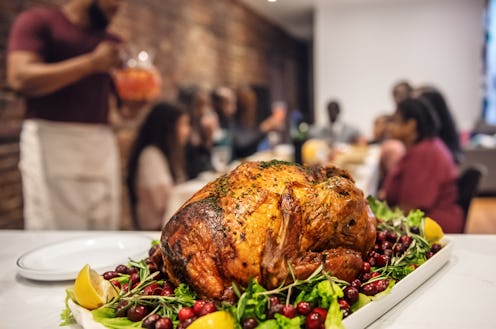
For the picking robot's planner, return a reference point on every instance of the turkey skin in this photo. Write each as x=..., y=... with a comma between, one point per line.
x=264, y=220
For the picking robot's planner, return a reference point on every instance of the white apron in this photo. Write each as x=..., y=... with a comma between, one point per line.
x=70, y=176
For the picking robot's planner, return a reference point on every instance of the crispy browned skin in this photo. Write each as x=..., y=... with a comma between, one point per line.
x=262, y=216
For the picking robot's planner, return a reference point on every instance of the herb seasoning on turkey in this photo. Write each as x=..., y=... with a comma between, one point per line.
x=264, y=219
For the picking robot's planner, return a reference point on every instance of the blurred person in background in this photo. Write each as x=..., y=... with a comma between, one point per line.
x=401, y=90
x=237, y=116
x=59, y=59
x=448, y=131
x=157, y=163
x=204, y=124
x=425, y=178
x=337, y=131
x=391, y=150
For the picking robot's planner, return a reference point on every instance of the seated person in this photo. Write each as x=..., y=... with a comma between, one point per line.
x=391, y=150
x=156, y=164
x=337, y=131
x=237, y=117
x=425, y=177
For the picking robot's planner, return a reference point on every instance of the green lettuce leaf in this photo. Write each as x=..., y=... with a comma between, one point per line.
x=382, y=211
x=107, y=317
x=66, y=315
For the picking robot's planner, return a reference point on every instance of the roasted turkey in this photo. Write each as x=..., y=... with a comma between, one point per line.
x=263, y=220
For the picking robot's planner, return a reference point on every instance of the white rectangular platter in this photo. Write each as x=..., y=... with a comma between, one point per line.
x=358, y=320
x=372, y=311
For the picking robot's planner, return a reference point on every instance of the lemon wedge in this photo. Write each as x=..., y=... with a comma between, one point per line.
x=91, y=289
x=432, y=230
x=215, y=320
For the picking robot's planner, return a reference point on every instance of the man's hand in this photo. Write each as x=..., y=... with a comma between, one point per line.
x=105, y=57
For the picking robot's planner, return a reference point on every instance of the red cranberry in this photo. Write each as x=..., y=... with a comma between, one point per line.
x=351, y=294
x=149, y=321
x=249, y=323
x=289, y=311
x=152, y=289
x=273, y=309
x=207, y=308
x=132, y=270
x=356, y=283
x=110, y=275
x=198, y=306
x=274, y=300
x=436, y=247
x=121, y=308
x=185, y=313
x=366, y=267
x=116, y=283
x=304, y=308
x=137, y=312
x=121, y=269
x=314, y=321
x=164, y=323
x=133, y=278
x=343, y=304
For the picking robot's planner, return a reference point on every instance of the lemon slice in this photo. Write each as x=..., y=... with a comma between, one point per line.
x=215, y=320
x=91, y=289
x=432, y=230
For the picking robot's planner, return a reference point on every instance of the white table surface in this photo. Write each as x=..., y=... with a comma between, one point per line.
x=461, y=295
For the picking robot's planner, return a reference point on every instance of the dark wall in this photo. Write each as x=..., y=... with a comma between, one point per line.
x=205, y=42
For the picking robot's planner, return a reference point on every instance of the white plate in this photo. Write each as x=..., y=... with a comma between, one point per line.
x=374, y=310
x=63, y=260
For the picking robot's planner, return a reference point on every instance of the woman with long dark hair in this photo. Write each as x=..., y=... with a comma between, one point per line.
x=157, y=163
x=448, y=131
x=425, y=178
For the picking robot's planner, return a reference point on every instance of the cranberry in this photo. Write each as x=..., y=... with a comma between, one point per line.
x=314, y=321
x=125, y=287
x=289, y=311
x=429, y=254
x=406, y=240
x=121, y=269
x=371, y=261
x=134, y=278
x=137, y=312
x=365, y=277
x=382, y=260
x=351, y=294
x=110, y=275
x=366, y=267
x=321, y=311
x=381, y=285
x=415, y=229
x=152, y=289
x=184, y=324
x=356, y=283
x=198, y=306
x=249, y=323
x=164, y=323
x=274, y=300
x=374, y=274
x=381, y=235
x=121, y=308
x=149, y=321
x=116, y=283
x=399, y=248
x=304, y=308
x=387, y=245
x=388, y=252
x=132, y=270
x=436, y=247
x=346, y=313
x=343, y=304
x=167, y=291
x=369, y=289
x=273, y=309
x=185, y=313
x=391, y=236
x=208, y=307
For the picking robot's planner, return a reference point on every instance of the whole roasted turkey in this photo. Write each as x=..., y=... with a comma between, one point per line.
x=263, y=218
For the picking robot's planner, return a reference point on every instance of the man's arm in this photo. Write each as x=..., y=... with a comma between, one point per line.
x=29, y=75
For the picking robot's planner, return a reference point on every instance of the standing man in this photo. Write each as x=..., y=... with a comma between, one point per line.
x=59, y=59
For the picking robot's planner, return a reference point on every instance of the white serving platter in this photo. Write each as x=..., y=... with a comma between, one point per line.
x=358, y=320
x=372, y=311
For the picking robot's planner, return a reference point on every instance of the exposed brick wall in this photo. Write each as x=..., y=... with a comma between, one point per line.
x=203, y=42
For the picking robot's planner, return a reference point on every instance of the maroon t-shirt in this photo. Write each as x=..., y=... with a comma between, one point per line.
x=425, y=178
x=48, y=33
